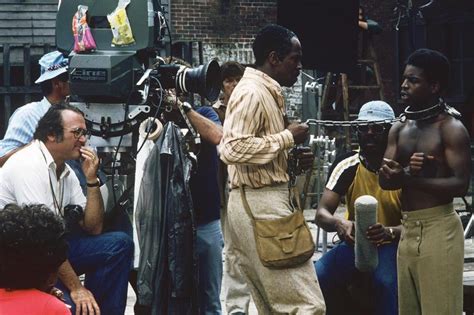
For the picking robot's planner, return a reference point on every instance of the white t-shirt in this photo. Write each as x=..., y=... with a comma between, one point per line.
x=29, y=177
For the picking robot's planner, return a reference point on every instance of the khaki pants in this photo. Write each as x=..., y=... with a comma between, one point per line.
x=275, y=291
x=430, y=262
x=237, y=292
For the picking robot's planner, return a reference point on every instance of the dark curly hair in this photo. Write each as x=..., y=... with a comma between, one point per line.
x=434, y=64
x=32, y=246
x=52, y=122
x=272, y=38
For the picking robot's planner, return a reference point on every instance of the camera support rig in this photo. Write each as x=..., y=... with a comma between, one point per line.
x=118, y=87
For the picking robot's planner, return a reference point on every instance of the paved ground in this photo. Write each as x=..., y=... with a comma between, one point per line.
x=309, y=214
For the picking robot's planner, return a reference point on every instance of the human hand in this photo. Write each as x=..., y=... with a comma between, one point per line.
x=90, y=163
x=299, y=132
x=377, y=234
x=345, y=230
x=170, y=100
x=421, y=164
x=304, y=158
x=391, y=168
x=85, y=302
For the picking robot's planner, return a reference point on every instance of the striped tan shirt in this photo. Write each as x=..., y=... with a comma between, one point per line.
x=255, y=141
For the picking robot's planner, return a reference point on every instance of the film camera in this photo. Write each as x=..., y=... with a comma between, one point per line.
x=120, y=86
x=117, y=87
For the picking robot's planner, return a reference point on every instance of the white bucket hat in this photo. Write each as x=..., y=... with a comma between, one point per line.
x=52, y=64
x=376, y=111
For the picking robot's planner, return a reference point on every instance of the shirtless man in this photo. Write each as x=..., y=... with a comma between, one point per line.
x=428, y=157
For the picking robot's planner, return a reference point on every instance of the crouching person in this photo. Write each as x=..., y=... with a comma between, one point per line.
x=38, y=174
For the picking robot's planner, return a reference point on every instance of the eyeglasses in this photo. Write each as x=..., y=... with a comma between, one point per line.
x=376, y=129
x=79, y=132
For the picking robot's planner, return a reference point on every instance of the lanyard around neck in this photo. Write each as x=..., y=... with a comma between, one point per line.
x=57, y=203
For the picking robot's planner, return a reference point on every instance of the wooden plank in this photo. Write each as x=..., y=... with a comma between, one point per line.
x=30, y=1
x=27, y=70
x=29, y=7
x=27, y=15
x=19, y=90
x=7, y=110
x=345, y=102
x=55, y=2
x=27, y=23
x=28, y=32
x=37, y=47
x=28, y=39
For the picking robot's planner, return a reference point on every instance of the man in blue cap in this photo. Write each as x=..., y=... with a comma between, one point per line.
x=352, y=175
x=22, y=124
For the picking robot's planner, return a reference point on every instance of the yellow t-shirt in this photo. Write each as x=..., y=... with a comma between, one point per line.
x=350, y=178
x=367, y=183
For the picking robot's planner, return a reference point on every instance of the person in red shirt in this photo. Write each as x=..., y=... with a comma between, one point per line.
x=32, y=247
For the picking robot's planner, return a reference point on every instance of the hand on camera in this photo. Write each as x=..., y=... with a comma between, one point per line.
x=170, y=100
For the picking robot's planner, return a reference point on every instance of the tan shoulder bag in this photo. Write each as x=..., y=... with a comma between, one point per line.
x=281, y=243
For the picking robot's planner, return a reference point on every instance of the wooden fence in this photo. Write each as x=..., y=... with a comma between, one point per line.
x=19, y=66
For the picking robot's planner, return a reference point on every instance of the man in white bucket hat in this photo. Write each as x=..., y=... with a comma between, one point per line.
x=352, y=175
x=22, y=124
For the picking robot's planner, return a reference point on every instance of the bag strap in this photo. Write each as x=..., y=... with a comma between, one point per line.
x=293, y=192
x=296, y=197
x=244, y=198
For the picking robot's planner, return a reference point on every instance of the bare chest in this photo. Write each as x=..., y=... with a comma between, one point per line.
x=426, y=139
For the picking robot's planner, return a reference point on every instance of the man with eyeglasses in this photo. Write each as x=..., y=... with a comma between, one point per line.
x=38, y=174
x=351, y=176
x=22, y=124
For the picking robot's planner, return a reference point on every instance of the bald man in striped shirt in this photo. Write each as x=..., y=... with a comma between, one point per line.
x=255, y=146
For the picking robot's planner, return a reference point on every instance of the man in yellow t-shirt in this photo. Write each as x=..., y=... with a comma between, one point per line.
x=353, y=175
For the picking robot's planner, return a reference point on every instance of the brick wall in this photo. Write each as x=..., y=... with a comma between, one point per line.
x=220, y=21
x=227, y=28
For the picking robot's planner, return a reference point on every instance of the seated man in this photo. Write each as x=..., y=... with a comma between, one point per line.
x=354, y=175
x=38, y=174
x=32, y=247
x=22, y=124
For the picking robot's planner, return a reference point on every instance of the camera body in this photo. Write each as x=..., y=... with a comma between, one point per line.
x=73, y=214
x=117, y=87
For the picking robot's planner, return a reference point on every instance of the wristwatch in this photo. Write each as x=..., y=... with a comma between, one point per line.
x=391, y=232
x=96, y=184
x=186, y=107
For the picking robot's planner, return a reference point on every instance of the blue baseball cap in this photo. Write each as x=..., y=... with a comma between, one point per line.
x=376, y=110
x=52, y=64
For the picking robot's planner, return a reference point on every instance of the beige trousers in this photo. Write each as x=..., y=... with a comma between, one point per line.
x=430, y=262
x=274, y=291
x=236, y=290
